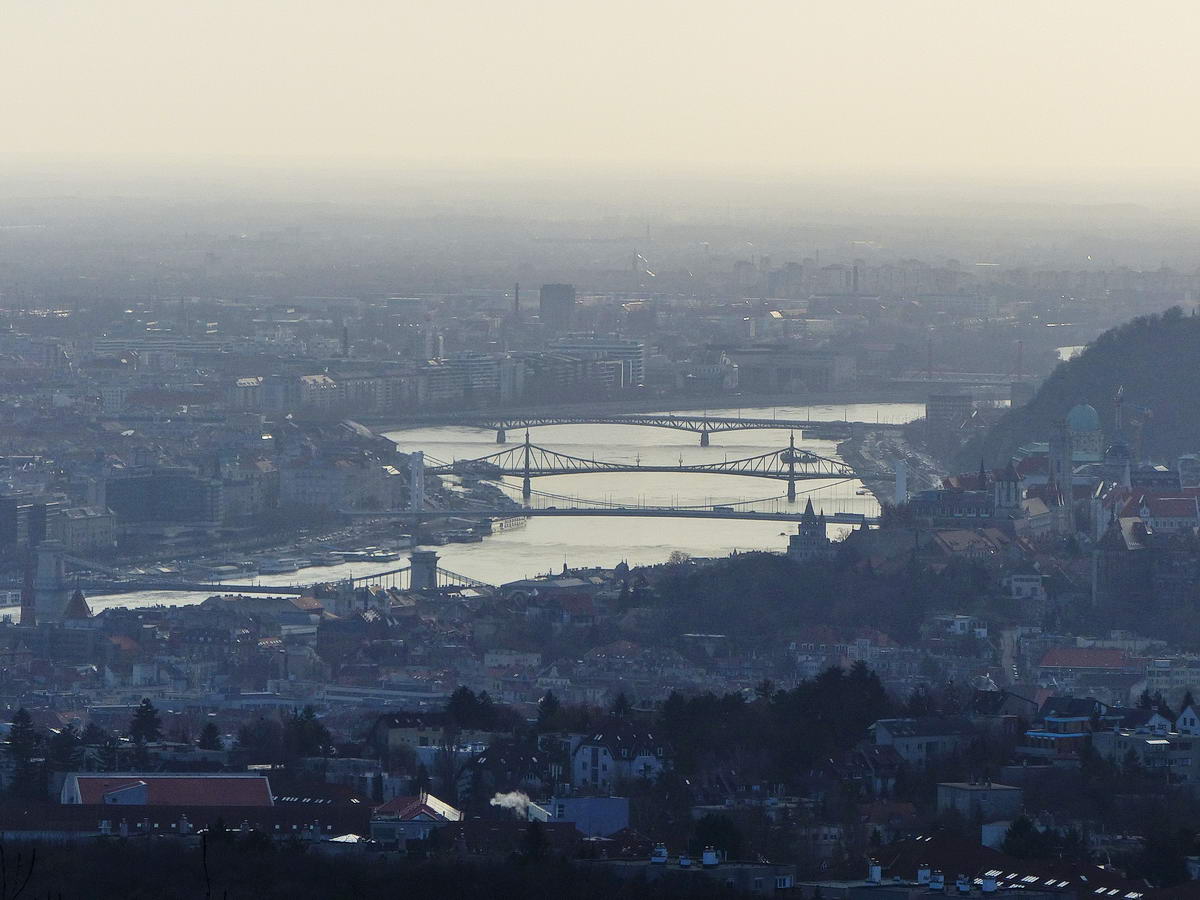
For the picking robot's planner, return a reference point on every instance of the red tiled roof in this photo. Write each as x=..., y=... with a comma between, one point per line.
x=1084, y=658
x=424, y=805
x=182, y=790
x=1160, y=507
x=1033, y=465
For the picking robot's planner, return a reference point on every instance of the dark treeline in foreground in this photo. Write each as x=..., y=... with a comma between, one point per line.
x=229, y=867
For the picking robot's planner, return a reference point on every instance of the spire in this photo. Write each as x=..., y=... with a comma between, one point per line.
x=808, y=509
x=982, y=475
x=77, y=607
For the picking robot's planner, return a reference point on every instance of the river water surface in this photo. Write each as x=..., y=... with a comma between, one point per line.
x=545, y=544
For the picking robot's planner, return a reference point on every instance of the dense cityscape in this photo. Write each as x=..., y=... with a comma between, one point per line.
x=677, y=456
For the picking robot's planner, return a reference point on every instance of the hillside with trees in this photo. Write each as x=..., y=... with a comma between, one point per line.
x=1156, y=359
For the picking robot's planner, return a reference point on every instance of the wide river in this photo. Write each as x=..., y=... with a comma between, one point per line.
x=545, y=544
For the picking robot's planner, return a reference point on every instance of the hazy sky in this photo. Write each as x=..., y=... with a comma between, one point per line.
x=910, y=85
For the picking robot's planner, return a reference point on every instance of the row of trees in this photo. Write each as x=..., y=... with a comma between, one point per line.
x=775, y=595
x=35, y=754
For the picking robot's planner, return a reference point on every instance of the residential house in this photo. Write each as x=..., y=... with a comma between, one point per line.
x=404, y=819
x=618, y=750
x=920, y=741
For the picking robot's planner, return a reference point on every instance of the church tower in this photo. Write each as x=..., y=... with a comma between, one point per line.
x=1006, y=491
x=1061, y=458
x=810, y=542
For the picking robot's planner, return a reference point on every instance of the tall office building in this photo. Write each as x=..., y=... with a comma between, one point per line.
x=556, y=306
x=630, y=353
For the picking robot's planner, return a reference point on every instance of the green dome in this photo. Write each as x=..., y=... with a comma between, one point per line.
x=1083, y=418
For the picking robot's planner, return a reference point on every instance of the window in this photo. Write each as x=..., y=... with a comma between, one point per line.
x=758, y=884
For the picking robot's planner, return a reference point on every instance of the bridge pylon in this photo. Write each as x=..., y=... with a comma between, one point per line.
x=501, y=437
x=791, y=464
x=704, y=439
x=526, y=487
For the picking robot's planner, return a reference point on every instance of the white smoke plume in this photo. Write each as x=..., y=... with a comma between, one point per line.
x=517, y=801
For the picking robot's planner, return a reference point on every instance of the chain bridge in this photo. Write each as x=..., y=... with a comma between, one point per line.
x=47, y=587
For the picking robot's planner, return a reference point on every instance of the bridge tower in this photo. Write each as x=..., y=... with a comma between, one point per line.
x=416, y=481
x=423, y=570
x=791, y=461
x=526, y=486
x=50, y=593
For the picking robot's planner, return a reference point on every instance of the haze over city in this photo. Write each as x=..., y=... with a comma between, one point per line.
x=599, y=450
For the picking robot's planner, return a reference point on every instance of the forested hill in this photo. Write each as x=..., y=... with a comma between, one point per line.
x=1156, y=359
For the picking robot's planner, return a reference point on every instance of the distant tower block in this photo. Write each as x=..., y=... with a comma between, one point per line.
x=416, y=481
x=423, y=570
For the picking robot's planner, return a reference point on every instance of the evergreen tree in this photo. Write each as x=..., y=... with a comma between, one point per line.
x=621, y=707
x=210, y=737
x=463, y=706
x=534, y=843
x=1131, y=766
x=548, y=708
x=28, y=780
x=919, y=703
x=719, y=832
x=264, y=738
x=306, y=735
x=109, y=757
x=145, y=726
x=1024, y=841
x=93, y=735
x=1162, y=859
x=64, y=752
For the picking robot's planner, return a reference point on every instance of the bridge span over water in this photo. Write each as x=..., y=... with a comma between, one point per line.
x=47, y=587
x=703, y=424
x=652, y=512
x=529, y=461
